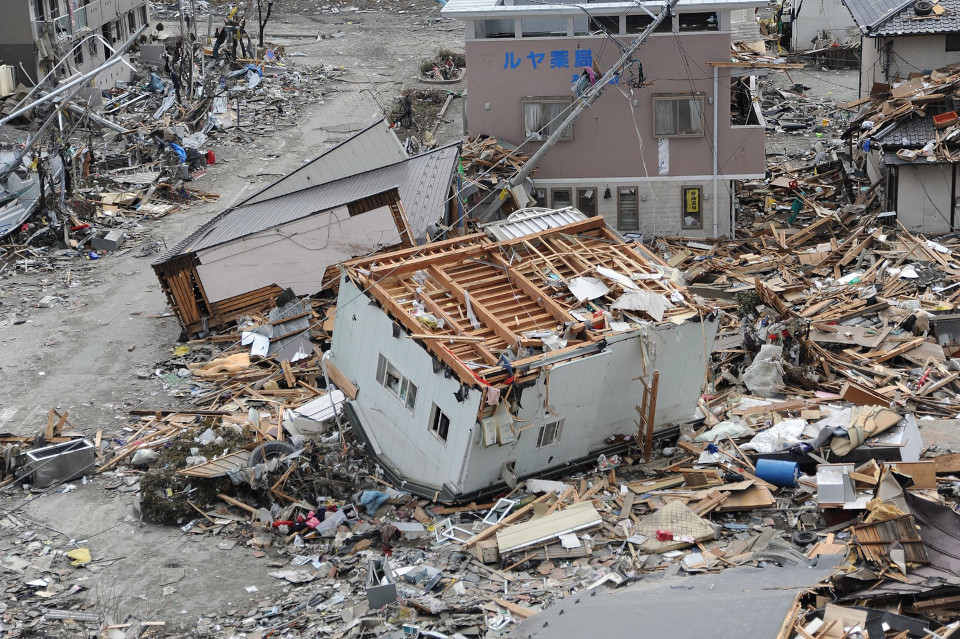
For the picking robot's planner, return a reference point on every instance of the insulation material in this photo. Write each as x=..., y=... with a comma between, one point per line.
x=780, y=436
x=653, y=304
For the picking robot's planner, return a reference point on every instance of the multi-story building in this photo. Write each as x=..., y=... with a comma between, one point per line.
x=36, y=34
x=656, y=152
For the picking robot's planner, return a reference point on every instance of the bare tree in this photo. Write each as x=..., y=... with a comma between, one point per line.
x=261, y=19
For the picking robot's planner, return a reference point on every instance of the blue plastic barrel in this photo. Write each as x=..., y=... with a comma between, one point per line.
x=778, y=472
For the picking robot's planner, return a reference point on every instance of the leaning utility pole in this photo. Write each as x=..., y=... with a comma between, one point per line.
x=583, y=103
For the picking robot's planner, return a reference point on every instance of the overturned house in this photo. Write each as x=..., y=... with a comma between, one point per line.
x=293, y=233
x=513, y=352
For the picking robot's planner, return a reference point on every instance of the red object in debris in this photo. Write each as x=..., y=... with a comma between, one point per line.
x=211, y=158
x=794, y=185
x=664, y=535
x=74, y=229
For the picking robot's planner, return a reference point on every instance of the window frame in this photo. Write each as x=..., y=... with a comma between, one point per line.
x=676, y=98
x=544, y=132
x=684, y=190
x=396, y=383
x=951, y=42
x=541, y=200
x=437, y=426
x=636, y=201
x=553, y=197
x=557, y=426
x=592, y=213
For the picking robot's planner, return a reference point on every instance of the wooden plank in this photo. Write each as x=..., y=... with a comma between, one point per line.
x=239, y=504
x=509, y=519
x=520, y=611
x=288, y=374
x=482, y=313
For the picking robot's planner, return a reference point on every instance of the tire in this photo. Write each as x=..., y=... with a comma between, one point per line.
x=804, y=537
x=923, y=7
x=269, y=450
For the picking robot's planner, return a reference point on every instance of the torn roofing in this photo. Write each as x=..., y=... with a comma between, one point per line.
x=743, y=602
x=912, y=131
x=423, y=181
x=896, y=17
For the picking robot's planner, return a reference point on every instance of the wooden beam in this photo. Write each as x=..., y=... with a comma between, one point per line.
x=537, y=294
x=506, y=521
x=479, y=309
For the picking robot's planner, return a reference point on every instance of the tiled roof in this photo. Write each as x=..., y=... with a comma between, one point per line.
x=909, y=132
x=897, y=17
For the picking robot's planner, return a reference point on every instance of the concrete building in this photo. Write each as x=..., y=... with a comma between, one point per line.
x=35, y=34
x=812, y=21
x=483, y=359
x=657, y=152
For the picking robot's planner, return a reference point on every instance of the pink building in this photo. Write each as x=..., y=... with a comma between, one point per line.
x=646, y=155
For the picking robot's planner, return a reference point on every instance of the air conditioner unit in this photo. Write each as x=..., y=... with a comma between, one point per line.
x=8, y=80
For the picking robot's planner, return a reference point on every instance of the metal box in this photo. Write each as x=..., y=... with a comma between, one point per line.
x=61, y=462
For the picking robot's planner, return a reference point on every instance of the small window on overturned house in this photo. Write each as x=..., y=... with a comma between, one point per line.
x=953, y=42
x=561, y=198
x=628, y=218
x=439, y=423
x=543, y=116
x=699, y=22
x=637, y=24
x=391, y=379
x=539, y=197
x=143, y=14
x=677, y=115
x=132, y=21
x=587, y=201
x=549, y=433
x=692, y=207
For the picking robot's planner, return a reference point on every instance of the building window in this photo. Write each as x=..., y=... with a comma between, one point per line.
x=543, y=116
x=543, y=27
x=605, y=24
x=628, y=218
x=132, y=21
x=561, y=198
x=549, y=434
x=692, y=207
x=439, y=423
x=143, y=14
x=391, y=379
x=637, y=24
x=587, y=201
x=677, y=115
x=539, y=197
x=699, y=22
x=78, y=55
x=953, y=42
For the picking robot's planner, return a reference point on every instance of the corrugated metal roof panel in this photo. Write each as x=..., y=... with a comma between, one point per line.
x=423, y=181
x=532, y=220
x=374, y=147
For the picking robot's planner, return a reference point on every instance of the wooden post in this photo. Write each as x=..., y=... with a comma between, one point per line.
x=651, y=415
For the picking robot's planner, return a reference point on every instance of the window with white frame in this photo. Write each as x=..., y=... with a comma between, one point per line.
x=678, y=115
x=543, y=116
x=390, y=378
x=439, y=423
x=549, y=433
x=628, y=217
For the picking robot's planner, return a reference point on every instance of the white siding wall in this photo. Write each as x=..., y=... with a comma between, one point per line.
x=362, y=332
x=820, y=15
x=923, y=198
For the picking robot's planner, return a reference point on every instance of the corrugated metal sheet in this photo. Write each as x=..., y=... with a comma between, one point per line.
x=905, y=22
x=532, y=220
x=424, y=182
x=867, y=13
x=374, y=147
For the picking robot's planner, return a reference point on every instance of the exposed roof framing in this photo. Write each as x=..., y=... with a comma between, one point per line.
x=516, y=291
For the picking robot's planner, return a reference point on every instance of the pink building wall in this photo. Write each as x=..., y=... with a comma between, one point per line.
x=605, y=143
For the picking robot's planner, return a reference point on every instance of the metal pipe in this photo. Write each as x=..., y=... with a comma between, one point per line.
x=716, y=111
x=116, y=57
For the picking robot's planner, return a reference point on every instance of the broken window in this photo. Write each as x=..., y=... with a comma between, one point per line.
x=439, y=423
x=677, y=115
x=549, y=433
x=699, y=22
x=539, y=196
x=391, y=379
x=953, y=42
x=143, y=14
x=543, y=116
x=561, y=198
x=132, y=21
x=637, y=23
x=628, y=218
x=587, y=201
x=692, y=207
x=78, y=55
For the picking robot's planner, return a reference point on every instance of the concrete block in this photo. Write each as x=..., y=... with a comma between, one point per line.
x=109, y=242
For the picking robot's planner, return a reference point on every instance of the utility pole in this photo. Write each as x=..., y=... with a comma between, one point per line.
x=582, y=103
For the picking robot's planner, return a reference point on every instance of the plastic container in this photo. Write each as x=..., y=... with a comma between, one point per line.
x=778, y=472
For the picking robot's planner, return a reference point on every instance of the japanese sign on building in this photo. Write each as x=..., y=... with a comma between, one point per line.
x=554, y=59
